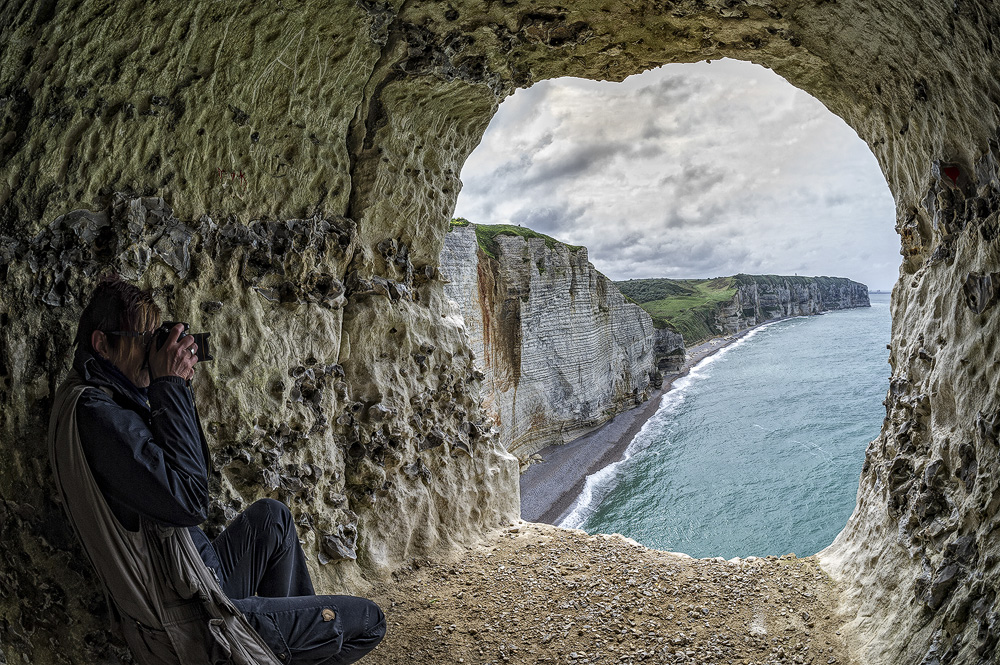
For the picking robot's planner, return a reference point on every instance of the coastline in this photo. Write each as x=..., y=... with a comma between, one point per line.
x=550, y=488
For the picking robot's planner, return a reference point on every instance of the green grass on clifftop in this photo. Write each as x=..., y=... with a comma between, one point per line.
x=780, y=280
x=685, y=305
x=486, y=236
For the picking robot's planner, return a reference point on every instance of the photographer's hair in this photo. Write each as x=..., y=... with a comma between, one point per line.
x=116, y=305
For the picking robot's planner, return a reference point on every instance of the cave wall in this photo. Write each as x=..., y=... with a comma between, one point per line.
x=297, y=148
x=560, y=350
x=276, y=178
x=918, y=556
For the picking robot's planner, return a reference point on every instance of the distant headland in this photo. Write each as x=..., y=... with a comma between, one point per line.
x=700, y=309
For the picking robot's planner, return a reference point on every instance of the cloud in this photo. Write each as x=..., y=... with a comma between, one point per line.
x=578, y=159
x=687, y=171
x=833, y=199
x=551, y=220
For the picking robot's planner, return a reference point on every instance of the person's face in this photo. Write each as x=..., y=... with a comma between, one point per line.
x=130, y=359
x=129, y=355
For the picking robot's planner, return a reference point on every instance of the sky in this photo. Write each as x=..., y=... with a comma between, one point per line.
x=687, y=171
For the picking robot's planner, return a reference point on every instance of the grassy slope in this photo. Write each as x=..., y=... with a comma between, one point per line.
x=689, y=305
x=486, y=234
x=773, y=280
x=685, y=305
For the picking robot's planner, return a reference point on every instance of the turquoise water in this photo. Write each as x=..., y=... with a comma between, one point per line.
x=759, y=449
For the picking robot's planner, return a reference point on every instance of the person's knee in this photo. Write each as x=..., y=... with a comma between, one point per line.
x=379, y=617
x=376, y=629
x=363, y=620
x=273, y=514
x=270, y=507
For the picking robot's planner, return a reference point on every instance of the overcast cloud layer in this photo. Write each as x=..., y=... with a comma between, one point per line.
x=695, y=170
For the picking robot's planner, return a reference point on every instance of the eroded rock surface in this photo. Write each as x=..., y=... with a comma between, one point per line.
x=284, y=411
x=560, y=349
x=923, y=536
x=668, y=350
x=270, y=117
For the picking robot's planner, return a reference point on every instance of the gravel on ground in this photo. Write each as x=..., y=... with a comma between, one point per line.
x=535, y=593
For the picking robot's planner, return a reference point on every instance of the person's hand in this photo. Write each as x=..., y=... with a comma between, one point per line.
x=176, y=357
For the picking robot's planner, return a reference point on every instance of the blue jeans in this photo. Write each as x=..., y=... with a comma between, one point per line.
x=263, y=571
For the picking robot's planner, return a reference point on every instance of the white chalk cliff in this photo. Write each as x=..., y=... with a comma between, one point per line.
x=761, y=298
x=559, y=347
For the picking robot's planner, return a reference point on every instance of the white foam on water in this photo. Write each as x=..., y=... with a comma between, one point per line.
x=598, y=485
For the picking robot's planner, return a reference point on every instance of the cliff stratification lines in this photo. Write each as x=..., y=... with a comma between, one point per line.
x=560, y=349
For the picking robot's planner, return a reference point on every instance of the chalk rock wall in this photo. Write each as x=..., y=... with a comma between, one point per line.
x=560, y=349
x=279, y=121
x=233, y=158
x=773, y=297
x=284, y=408
x=922, y=545
x=668, y=350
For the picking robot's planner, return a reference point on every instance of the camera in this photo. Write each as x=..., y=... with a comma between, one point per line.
x=201, y=339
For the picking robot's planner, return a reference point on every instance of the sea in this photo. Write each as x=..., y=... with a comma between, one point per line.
x=758, y=450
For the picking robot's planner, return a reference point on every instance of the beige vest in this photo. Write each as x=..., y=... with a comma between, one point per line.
x=164, y=600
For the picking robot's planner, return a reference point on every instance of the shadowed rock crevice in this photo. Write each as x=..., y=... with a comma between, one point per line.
x=272, y=161
x=500, y=312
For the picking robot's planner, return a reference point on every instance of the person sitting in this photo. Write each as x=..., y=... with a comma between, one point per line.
x=139, y=432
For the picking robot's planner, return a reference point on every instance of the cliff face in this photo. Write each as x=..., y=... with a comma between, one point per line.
x=704, y=308
x=560, y=349
x=668, y=349
x=766, y=297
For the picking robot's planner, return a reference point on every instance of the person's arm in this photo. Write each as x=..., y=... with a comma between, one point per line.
x=158, y=471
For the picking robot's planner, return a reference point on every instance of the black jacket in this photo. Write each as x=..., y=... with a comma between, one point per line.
x=145, y=448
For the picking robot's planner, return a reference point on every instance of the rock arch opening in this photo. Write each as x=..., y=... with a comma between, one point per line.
x=177, y=146
x=685, y=171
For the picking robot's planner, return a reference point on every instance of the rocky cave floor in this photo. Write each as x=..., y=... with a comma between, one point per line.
x=540, y=594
